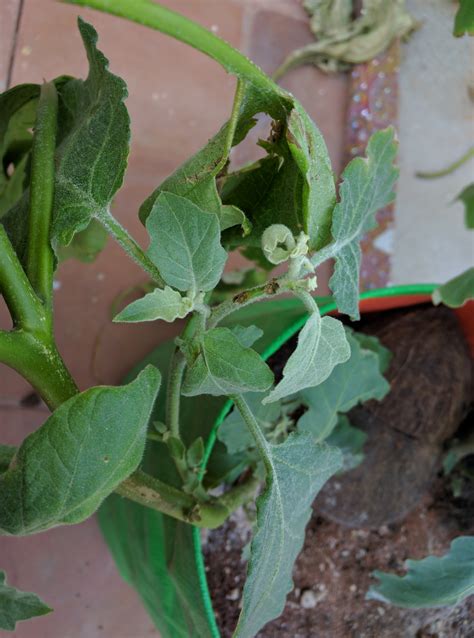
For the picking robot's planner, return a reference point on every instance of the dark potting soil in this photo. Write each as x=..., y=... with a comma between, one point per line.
x=395, y=505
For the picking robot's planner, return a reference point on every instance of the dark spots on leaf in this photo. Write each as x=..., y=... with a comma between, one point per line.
x=106, y=459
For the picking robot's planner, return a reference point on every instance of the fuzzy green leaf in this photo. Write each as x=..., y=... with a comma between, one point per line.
x=466, y=196
x=166, y=304
x=185, y=244
x=322, y=345
x=64, y=470
x=234, y=433
x=310, y=153
x=431, y=582
x=307, y=164
x=247, y=335
x=372, y=343
x=457, y=291
x=356, y=380
x=464, y=19
x=367, y=186
x=350, y=441
x=296, y=471
x=7, y=452
x=16, y=605
x=224, y=366
x=86, y=244
x=94, y=143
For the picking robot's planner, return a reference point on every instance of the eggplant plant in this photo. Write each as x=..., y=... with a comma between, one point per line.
x=56, y=190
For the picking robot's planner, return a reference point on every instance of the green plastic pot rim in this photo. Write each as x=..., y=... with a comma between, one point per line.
x=392, y=291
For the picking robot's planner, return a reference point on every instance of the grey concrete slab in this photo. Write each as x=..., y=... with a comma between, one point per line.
x=436, y=127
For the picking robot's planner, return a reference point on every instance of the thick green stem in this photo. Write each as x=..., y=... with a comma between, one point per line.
x=40, y=258
x=26, y=309
x=153, y=15
x=240, y=494
x=130, y=246
x=173, y=395
x=40, y=364
x=151, y=492
x=264, y=291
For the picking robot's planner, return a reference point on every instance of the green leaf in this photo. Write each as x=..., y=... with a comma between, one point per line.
x=94, y=143
x=64, y=470
x=256, y=94
x=16, y=605
x=7, y=452
x=350, y=441
x=292, y=186
x=296, y=471
x=225, y=367
x=234, y=433
x=466, y=196
x=161, y=562
x=195, y=453
x=195, y=180
x=322, y=345
x=457, y=291
x=247, y=335
x=354, y=381
x=310, y=153
x=166, y=304
x=367, y=186
x=372, y=343
x=86, y=244
x=431, y=582
x=185, y=244
x=464, y=19
x=176, y=447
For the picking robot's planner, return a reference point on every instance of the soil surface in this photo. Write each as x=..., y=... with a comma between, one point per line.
x=430, y=371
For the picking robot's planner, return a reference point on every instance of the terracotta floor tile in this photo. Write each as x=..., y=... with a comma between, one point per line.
x=178, y=99
x=9, y=11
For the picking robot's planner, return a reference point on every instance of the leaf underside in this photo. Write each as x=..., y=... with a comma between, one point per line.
x=296, y=471
x=431, y=582
x=367, y=186
x=456, y=292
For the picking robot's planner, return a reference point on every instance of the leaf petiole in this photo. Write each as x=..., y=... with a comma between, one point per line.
x=122, y=236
